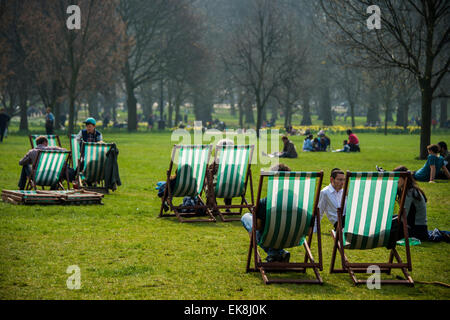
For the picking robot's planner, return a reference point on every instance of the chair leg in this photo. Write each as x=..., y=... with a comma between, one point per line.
x=249, y=256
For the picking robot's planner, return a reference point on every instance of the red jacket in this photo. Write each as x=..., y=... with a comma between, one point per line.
x=353, y=139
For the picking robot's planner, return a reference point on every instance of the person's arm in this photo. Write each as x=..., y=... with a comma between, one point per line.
x=447, y=173
x=26, y=159
x=432, y=173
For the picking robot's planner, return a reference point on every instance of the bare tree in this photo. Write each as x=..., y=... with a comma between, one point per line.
x=414, y=36
x=256, y=61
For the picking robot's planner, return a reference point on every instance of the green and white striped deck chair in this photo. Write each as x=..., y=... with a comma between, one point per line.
x=368, y=219
x=91, y=168
x=232, y=176
x=75, y=148
x=190, y=181
x=53, y=140
x=47, y=169
x=291, y=213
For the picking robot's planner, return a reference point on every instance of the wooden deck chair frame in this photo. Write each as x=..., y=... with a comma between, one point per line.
x=352, y=268
x=211, y=188
x=80, y=171
x=31, y=180
x=168, y=195
x=308, y=263
x=34, y=136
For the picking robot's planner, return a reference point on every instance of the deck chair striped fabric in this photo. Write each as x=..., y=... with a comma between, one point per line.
x=233, y=174
x=75, y=148
x=291, y=213
x=47, y=168
x=190, y=179
x=368, y=220
x=233, y=165
x=191, y=170
x=94, y=161
x=53, y=140
x=370, y=209
x=290, y=204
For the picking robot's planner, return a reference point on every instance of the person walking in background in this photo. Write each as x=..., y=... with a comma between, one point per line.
x=353, y=141
x=4, y=120
x=49, y=122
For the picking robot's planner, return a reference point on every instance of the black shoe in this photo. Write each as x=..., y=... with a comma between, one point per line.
x=285, y=257
x=273, y=258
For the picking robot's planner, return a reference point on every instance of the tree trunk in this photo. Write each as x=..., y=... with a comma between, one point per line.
x=23, y=100
x=306, y=108
x=249, y=116
x=352, y=111
x=325, y=107
x=131, y=100
x=443, y=115
x=425, y=131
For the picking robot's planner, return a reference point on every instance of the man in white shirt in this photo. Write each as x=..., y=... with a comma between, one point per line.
x=331, y=196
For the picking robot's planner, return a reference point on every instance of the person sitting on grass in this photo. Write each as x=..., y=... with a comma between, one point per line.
x=325, y=142
x=346, y=147
x=289, y=150
x=444, y=154
x=435, y=162
x=317, y=146
x=416, y=211
x=27, y=161
x=353, y=141
x=308, y=143
x=273, y=255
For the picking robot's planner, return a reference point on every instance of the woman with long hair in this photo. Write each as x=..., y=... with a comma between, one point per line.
x=415, y=206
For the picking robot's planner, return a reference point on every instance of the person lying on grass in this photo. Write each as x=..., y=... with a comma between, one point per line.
x=273, y=255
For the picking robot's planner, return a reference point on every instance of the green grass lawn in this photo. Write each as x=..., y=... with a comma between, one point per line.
x=125, y=251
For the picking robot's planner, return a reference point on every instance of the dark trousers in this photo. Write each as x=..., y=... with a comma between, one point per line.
x=26, y=171
x=2, y=133
x=49, y=130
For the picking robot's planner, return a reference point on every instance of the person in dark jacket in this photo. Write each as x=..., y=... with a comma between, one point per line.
x=4, y=119
x=289, y=150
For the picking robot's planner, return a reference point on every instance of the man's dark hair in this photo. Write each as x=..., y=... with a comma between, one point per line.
x=280, y=167
x=284, y=138
x=443, y=145
x=335, y=172
x=434, y=148
x=349, y=131
x=41, y=140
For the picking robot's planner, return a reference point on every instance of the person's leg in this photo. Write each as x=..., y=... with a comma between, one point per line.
x=272, y=254
x=419, y=232
x=227, y=202
x=25, y=173
x=2, y=132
